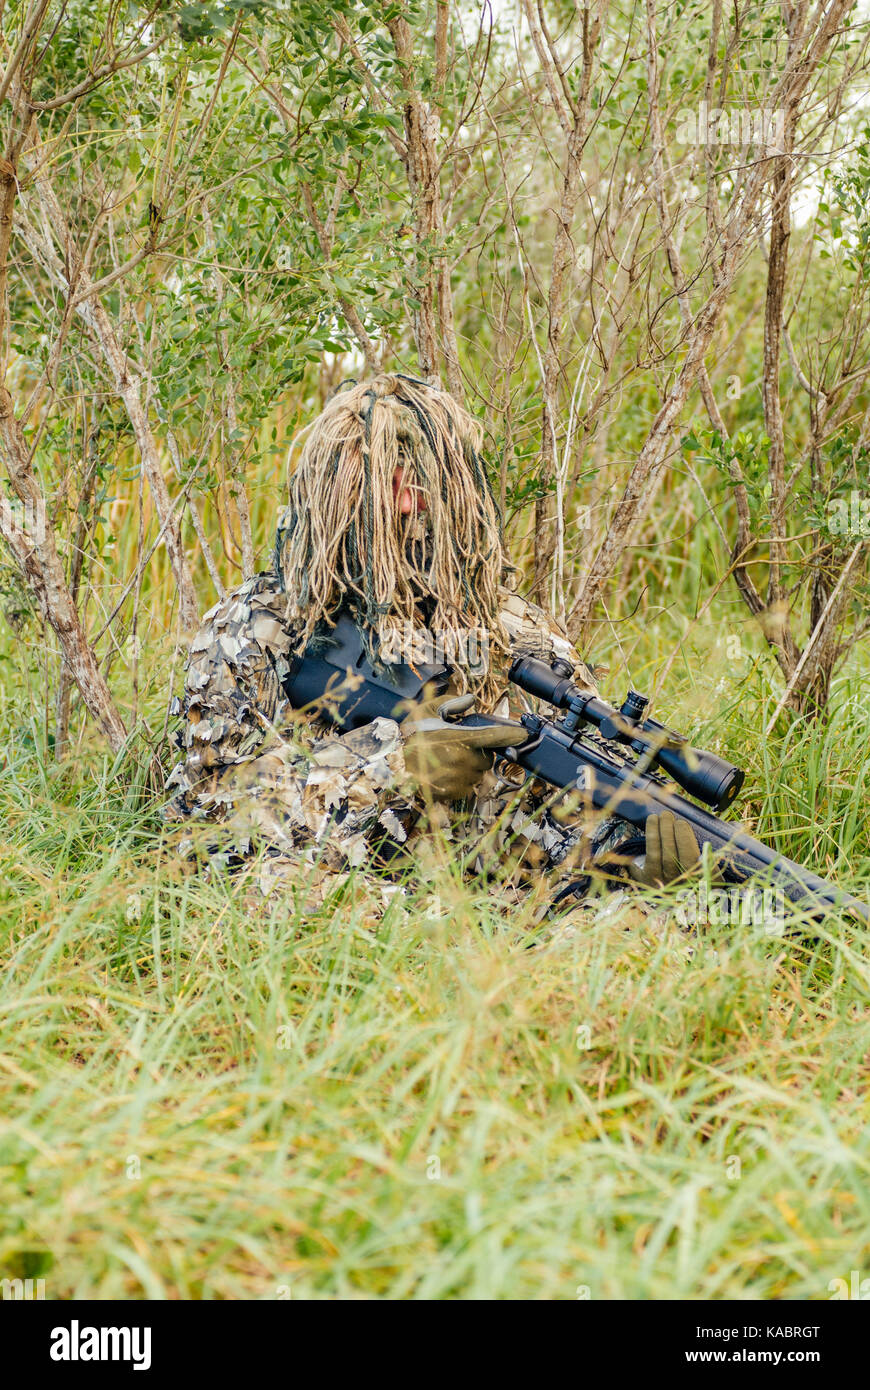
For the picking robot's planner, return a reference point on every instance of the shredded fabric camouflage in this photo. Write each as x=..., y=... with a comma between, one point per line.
x=270, y=777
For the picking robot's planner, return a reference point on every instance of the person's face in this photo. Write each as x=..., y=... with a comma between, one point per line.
x=410, y=499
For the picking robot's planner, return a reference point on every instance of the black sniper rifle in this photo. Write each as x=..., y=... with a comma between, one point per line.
x=335, y=679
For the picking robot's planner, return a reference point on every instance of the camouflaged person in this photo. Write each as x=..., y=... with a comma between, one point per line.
x=391, y=519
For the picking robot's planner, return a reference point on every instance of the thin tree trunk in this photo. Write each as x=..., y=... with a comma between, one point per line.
x=433, y=273
x=774, y=300
x=237, y=481
x=74, y=279
x=549, y=525
x=36, y=553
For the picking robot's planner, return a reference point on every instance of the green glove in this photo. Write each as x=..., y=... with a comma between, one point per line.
x=671, y=851
x=445, y=760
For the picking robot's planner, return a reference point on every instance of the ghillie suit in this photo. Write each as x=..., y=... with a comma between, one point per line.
x=344, y=544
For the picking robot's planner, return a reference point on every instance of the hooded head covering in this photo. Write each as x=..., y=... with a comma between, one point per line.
x=343, y=542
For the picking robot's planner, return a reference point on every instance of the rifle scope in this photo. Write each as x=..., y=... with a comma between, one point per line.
x=703, y=775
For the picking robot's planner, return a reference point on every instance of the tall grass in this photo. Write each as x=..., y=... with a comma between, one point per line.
x=211, y=1094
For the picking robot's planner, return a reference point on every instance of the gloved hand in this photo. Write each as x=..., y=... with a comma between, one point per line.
x=671, y=851
x=446, y=760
